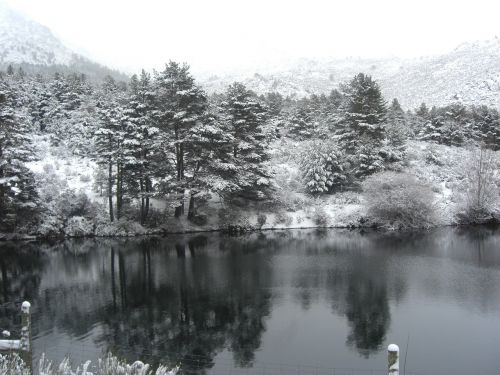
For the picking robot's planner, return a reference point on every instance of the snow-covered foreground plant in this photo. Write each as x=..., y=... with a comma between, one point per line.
x=12, y=364
x=398, y=200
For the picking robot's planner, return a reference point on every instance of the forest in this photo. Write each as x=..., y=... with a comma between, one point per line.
x=160, y=150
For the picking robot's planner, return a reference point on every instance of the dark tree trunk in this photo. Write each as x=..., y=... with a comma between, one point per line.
x=110, y=189
x=113, y=282
x=192, y=207
x=148, y=190
x=119, y=190
x=143, y=202
x=5, y=285
x=123, y=281
x=180, y=248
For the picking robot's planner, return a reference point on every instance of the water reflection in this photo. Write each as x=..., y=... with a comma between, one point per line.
x=192, y=298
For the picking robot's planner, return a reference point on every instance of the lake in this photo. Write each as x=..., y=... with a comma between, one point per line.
x=274, y=302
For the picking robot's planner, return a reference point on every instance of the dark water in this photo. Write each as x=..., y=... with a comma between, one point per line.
x=291, y=302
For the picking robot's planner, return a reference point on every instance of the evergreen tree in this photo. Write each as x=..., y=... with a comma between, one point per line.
x=450, y=125
x=142, y=142
x=486, y=126
x=396, y=126
x=18, y=196
x=301, y=124
x=109, y=139
x=323, y=170
x=361, y=131
x=246, y=116
x=180, y=105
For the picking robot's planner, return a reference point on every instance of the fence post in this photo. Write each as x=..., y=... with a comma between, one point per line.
x=25, y=344
x=393, y=359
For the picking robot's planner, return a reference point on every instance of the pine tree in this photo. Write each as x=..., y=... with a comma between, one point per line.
x=180, y=105
x=301, y=124
x=246, y=116
x=323, y=169
x=18, y=195
x=450, y=125
x=397, y=127
x=361, y=131
x=109, y=139
x=142, y=141
x=486, y=126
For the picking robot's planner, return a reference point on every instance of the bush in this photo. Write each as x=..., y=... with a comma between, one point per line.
x=283, y=218
x=261, y=220
x=85, y=178
x=320, y=217
x=73, y=203
x=479, y=193
x=398, y=200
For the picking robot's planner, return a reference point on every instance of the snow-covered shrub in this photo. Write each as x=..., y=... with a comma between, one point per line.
x=479, y=192
x=398, y=200
x=110, y=365
x=283, y=218
x=432, y=156
x=71, y=203
x=85, y=178
x=12, y=364
x=323, y=169
x=261, y=220
x=320, y=217
x=78, y=226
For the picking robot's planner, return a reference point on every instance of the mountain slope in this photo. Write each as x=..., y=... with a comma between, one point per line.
x=33, y=47
x=25, y=41
x=470, y=74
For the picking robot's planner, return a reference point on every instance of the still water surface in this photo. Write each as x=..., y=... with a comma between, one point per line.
x=287, y=302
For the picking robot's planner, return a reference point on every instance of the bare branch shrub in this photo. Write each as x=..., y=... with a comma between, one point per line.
x=398, y=200
x=479, y=193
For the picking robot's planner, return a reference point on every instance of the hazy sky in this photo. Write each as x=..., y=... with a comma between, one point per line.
x=224, y=34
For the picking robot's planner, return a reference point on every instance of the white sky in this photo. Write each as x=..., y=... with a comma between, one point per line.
x=222, y=35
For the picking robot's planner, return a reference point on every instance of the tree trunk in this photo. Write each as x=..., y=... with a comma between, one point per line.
x=119, y=193
x=192, y=207
x=179, y=210
x=113, y=285
x=141, y=183
x=122, y=278
x=148, y=190
x=110, y=189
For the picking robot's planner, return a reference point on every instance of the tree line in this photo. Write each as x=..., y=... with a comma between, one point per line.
x=161, y=134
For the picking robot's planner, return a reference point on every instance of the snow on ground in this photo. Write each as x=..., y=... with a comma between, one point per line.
x=437, y=165
x=74, y=172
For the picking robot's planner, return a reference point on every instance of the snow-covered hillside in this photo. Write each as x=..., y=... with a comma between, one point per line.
x=470, y=73
x=32, y=46
x=25, y=41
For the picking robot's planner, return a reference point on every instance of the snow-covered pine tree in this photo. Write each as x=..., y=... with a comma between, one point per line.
x=142, y=142
x=361, y=131
x=301, y=124
x=323, y=169
x=450, y=125
x=180, y=105
x=486, y=126
x=397, y=132
x=246, y=116
x=109, y=136
x=18, y=195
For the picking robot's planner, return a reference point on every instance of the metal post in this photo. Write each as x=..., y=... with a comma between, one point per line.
x=25, y=344
x=393, y=359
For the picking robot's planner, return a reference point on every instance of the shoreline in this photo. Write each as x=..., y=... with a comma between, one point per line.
x=16, y=237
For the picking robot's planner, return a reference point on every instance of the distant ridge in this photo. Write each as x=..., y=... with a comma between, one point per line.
x=27, y=44
x=469, y=74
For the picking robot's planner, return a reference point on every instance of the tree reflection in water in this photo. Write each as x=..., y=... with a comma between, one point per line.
x=189, y=298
